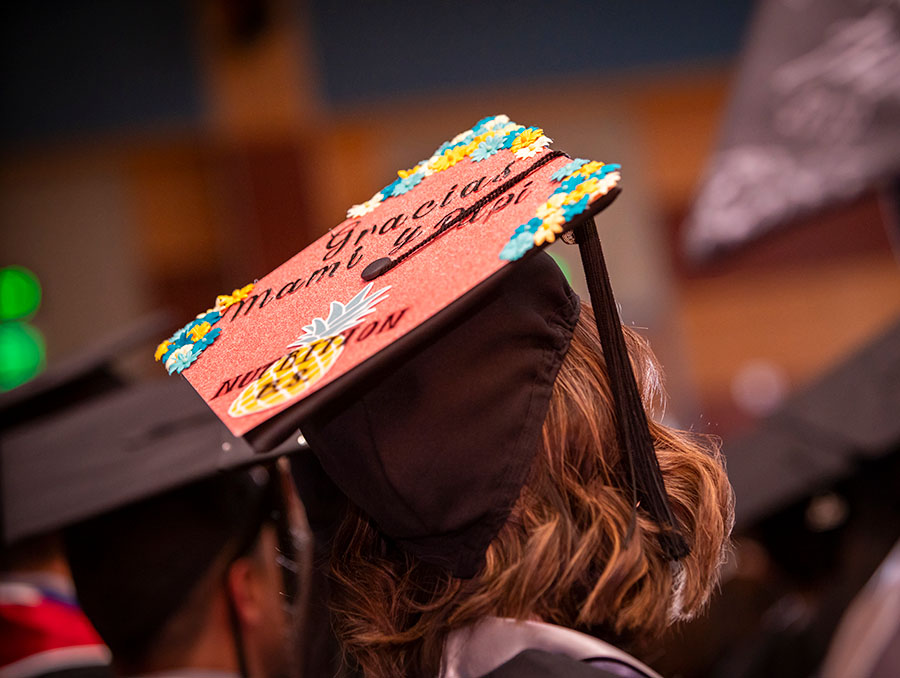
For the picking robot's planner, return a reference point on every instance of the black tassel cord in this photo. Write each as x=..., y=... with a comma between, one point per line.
x=631, y=419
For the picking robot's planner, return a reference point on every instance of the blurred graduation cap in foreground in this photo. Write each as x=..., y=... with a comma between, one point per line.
x=80, y=377
x=433, y=301
x=144, y=483
x=82, y=439
x=117, y=449
x=68, y=384
x=822, y=434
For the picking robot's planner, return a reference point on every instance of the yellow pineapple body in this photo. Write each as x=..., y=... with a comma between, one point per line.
x=288, y=377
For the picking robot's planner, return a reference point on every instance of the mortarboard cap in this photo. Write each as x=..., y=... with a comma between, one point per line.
x=433, y=299
x=822, y=434
x=115, y=450
x=80, y=377
x=146, y=484
x=67, y=384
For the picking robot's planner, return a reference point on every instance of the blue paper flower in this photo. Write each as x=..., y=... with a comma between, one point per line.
x=388, y=190
x=511, y=137
x=410, y=182
x=165, y=356
x=531, y=226
x=443, y=147
x=573, y=210
x=517, y=246
x=211, y=317
x=181, y=359
x=611, y=167
x=180, y=336
x=569, y=184
x=487, y=148
x=568, y=168
x=478, y=128
x=207, y=339
x=606, y=169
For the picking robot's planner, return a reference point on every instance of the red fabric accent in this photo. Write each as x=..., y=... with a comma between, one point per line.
x=48, y=625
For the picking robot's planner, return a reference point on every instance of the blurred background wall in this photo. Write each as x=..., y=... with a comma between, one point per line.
x=156, y=154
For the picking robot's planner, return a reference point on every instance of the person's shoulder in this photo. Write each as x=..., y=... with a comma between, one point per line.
x=543, y=664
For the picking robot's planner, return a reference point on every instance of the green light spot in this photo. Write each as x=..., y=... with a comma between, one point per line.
x=20, y=293
x=563, y=265
x=22, y=354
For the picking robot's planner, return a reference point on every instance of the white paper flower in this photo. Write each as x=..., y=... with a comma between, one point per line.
x=497, y=121
x=534, y=147
x=364, y=208
x=606, y=184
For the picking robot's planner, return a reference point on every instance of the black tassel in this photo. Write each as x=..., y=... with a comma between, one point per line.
x=631, y=420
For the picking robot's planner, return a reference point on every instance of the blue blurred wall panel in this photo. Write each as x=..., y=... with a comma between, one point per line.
x=75, y=67
x=371, y=49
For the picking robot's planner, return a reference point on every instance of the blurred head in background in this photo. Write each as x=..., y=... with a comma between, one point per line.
x=190, y=578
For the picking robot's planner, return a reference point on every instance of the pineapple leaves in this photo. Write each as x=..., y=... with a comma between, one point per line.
x=341, y=317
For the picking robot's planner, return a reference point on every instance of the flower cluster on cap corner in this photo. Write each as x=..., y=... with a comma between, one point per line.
x=179, y=351
x=488, y=137
x=581, y=182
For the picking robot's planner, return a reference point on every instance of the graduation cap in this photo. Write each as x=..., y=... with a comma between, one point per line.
x=143, y=480
x=417, y=342
x=824, y=433
x=80, y=377
x=70, y=383
x=99, y=471
x=117, y=449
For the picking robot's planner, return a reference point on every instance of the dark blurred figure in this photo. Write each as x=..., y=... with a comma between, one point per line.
x=189, y=551
x=43, y=632
x=189, y=579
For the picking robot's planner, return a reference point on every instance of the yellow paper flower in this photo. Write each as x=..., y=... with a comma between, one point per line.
x=547, y=231
x=161, y=350
x=440, y=164
x=551, y=206
x=199, y=331
x=582, y=189
x=242, y=293
x=223, y=301
x=468, y=149
x=589, y=168
x=405, y=173
x=481, y=137
x=555, y=221
x=450, y=157
x=526, y=138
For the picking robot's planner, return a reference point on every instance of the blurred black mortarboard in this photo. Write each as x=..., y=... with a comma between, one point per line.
x=147, y=485
x=417, y=342
x=78, y=378
x=824, y=433
x=113, y=451
x=70, y=383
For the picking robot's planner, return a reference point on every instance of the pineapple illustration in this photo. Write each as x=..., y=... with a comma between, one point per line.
x=310, y=358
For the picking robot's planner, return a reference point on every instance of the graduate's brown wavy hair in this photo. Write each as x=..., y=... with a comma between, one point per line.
x=570, y=553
